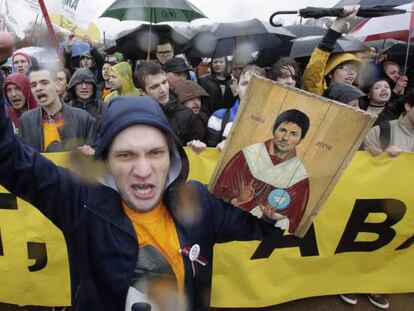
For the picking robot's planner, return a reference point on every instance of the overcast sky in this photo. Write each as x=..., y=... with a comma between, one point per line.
x=222, y=11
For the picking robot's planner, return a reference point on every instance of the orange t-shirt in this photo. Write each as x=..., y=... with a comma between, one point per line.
x=157, y=228
x=105, y=92
x=51, y=133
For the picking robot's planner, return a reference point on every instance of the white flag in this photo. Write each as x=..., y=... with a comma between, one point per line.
x=32, y=5
x=16, y=17
x=79, y=12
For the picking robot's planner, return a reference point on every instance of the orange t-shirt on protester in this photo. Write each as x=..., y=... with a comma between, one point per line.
x=51, y=133
x=157, y=228
x=105, y=92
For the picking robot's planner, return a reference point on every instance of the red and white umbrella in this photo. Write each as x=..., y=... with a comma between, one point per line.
x=398, y=27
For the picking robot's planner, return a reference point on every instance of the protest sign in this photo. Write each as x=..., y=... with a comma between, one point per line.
x=286, y=150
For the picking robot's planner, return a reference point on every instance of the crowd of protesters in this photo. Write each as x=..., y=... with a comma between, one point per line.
x=201, y=110
x=60, y=111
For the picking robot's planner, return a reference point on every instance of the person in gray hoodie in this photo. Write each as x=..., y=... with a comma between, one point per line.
x=83, y=93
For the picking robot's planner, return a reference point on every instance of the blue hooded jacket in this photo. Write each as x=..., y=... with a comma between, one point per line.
x=101, y=241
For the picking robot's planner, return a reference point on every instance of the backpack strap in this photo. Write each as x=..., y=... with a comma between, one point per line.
x=385, y=134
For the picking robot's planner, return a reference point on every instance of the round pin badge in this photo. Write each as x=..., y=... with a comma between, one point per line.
x=194, y=252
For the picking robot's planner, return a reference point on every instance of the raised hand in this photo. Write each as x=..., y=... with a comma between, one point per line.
x=246, y=194
x=350, y=11
x=400, y=85
x=69, y=42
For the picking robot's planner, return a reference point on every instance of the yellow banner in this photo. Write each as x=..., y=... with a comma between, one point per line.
x=33, y=258
x=361, y=243
x=336, y=256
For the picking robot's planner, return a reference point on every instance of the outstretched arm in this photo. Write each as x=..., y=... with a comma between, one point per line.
x=314, y=74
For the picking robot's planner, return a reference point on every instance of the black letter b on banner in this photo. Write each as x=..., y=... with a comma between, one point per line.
x=394, y=209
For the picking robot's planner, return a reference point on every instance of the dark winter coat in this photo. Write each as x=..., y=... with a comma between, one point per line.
x=182, y=119
x=217, y=99
x=101, y=241
x=94, y=105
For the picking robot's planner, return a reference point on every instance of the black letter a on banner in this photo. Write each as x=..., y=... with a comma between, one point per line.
x=307, y=245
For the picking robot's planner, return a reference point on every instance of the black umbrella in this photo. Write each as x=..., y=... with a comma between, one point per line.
x=267, y=57
x=395, y=49
x=236, y=38
x=134, y=44
x=303, y=47
x=314, y=12
x=153, y=11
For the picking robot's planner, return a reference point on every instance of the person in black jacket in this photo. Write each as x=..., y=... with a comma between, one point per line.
x=93, y=60
x=151, y=80
x=218, y=85
x=190, y=94
x=83, y=93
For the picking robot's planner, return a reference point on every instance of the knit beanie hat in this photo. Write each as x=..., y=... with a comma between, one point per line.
x=343, y=92
x=25, y=55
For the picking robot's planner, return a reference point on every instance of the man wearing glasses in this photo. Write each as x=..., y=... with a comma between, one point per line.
x=164, y=52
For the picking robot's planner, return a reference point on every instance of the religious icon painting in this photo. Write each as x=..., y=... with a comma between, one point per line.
x=285, y=152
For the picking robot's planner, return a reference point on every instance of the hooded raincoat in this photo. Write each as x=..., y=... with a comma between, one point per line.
x=123, y=72
x=101, y=241
x=321, y=63
x=22, y=81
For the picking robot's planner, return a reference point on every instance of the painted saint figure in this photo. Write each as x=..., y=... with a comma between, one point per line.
x=268, y=179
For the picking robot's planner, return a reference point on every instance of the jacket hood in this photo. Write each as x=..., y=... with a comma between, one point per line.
x=123, y=71
x=125, y=111
x=22, y=81
x=343, y=92
x=337, y=59
x=81, y=75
